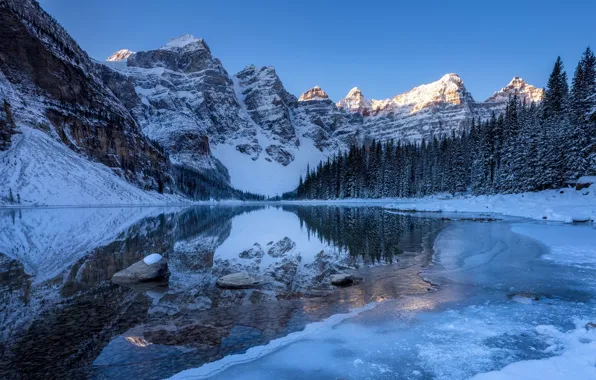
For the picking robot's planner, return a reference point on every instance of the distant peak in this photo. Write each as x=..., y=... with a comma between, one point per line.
x=451, y=77
x=526, y=92
x=355, y=102
x=120, y=55
x=185, y=41
x=354, y=91
x=315, y=93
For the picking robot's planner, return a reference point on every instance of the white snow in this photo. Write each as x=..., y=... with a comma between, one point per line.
x=587, y=179
x=152, y=258
x=267, y=177
x=43, y=171
x=180, y=42
x=553, y=205
x=578, y=360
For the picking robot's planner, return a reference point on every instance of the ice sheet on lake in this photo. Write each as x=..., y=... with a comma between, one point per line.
x=471, y=327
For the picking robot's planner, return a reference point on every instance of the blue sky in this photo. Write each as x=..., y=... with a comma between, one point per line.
x=383, y=47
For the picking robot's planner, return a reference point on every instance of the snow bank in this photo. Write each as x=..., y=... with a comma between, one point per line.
x=578, y=360
x=558, y=205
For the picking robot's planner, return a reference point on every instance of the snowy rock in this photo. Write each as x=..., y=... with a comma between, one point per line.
x=524, y=298
x=256, y=252
x=142, y=272
x=585, y=182
x=581, y=218
x=315, y=93
x=525, y=92
x=120, y=55
x=240, y=280
x=282, y=247
x=355, y=102
x=152, y=258
x=344, y=279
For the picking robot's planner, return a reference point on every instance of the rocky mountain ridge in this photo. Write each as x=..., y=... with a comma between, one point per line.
x=171, y=118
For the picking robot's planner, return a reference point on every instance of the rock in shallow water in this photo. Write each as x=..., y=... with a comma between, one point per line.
x=239, y=280
x=142, y=272
x=344, y=279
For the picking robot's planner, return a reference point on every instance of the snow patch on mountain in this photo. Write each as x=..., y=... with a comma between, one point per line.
x=40, y=170
x=185, y=42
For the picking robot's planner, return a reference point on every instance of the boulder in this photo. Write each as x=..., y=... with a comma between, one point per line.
x=240, y=280
x=344, y=279
x=140, y=271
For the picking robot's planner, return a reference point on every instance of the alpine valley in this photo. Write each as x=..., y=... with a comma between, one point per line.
x=171, y=124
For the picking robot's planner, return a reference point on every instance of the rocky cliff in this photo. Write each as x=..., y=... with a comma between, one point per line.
x=51, y=85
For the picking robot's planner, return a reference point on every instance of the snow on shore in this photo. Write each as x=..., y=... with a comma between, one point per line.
x=565, y=205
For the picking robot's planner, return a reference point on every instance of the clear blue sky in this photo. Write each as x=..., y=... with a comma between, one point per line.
x=383, y=47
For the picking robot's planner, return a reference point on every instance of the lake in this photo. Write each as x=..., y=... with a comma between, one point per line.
x=507, y=290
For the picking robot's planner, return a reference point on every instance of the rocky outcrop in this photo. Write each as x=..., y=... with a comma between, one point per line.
x=267, y=102
x=120, y=55
x=143, y=271
x=315, y=93
x=355, y=102
x=526, y=92
x=51, y=83
x=239, y=280
x=344, y=279
x=282, y=247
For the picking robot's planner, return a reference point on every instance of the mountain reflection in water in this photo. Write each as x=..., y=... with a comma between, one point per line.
x=61, y=311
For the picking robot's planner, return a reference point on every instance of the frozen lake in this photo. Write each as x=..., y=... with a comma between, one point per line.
x=442, y=298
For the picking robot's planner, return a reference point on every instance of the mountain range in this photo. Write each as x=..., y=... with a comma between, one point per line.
x=174, y=123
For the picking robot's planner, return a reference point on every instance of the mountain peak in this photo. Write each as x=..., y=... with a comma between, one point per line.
x=186, y=42
x=449, y=89
x=120, y=55
x=451, y=77
x=517, y=85
x=355, y=102
x=315, y=93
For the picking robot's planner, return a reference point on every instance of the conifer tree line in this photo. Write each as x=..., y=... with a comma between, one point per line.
x=529, y=147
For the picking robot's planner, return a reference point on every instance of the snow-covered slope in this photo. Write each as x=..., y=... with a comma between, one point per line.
x=39, y=170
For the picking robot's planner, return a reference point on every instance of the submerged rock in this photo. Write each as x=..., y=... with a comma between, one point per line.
x=152, y=268
x=344, y=279
x=240, y=280
x=282, y=247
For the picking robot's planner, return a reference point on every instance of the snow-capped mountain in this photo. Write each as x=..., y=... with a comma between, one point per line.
x=526, y=92
x=172, y=119
x=355, y=102
x=120, y=55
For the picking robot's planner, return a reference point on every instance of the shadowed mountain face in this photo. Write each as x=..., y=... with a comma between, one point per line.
x=53, y=278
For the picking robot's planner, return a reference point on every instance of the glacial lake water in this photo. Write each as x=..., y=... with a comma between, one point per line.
x=441, y=297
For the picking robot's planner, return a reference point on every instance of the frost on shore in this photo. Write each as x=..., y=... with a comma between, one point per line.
x=565, y=205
